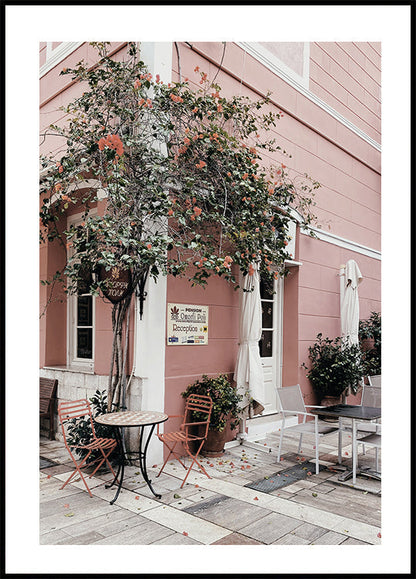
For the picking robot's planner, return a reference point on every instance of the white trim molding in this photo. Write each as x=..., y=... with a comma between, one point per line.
x=272, y=62
x=299, y=83
x=342, y=242
x=55, y=56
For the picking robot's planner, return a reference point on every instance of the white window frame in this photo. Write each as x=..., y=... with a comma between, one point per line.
x=56, y=55
x=72, y=360
x=301, y=84
x=271, y=61
x=277, y=337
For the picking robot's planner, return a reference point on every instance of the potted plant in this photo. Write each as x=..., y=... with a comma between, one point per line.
x=225, y=409
x=80, y=432
x=336, y=368
x=369, y=333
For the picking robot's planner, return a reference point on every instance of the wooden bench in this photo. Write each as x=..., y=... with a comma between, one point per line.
x=47, y=394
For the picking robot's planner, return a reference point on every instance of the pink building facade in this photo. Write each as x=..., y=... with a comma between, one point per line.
x=329, y=94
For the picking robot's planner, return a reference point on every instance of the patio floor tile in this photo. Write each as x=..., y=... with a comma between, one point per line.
x=270, y=528
x=329, y=538
x=227, y=512
x=309, y=532
x=144, y=534
x=236, y=539
x=290, y=539
x=107, y=524
x=85, y=539
x=177, y=539
x=182, y=522
x=219, y=510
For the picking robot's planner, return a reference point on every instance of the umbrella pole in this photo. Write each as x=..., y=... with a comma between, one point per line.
x=341, y=284
x=242, y=430
x=341, y=299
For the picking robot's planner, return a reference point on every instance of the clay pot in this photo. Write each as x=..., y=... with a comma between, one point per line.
x=214, y=444
x=330, y=400
x=367, y=344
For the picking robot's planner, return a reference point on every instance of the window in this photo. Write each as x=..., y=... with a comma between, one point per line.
x=56, y=52
x=81, y=318
x=289, y=60
x=270, y=343
x=267, y=306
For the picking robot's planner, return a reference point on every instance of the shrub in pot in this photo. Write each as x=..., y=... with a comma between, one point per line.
x=336, y=367
x=80, y=431
x=369, y=333
x=225, y=409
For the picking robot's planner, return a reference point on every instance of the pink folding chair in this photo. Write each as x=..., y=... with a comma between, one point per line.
x=67, y=411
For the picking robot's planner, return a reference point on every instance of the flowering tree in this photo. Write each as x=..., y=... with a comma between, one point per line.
x=187, y=179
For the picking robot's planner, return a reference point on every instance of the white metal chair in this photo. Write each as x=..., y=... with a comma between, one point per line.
x=371, y=396
x=292, y=404
x=373, y=440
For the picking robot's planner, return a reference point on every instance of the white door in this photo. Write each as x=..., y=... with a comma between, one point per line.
x=271, y=341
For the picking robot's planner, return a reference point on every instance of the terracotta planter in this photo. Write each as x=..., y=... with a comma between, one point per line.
x=214, y=444
x=330, y=400
x=367, y=344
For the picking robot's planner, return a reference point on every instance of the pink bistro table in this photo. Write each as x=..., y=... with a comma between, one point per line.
x=128, y=419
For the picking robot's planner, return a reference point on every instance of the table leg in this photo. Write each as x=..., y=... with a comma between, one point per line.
x=354, y=451
x=142, y=457
x=339, y=440
x=120, y=472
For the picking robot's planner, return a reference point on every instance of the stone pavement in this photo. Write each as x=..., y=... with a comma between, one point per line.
x=244, y=503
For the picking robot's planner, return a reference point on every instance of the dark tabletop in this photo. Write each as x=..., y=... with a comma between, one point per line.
x=349, y=411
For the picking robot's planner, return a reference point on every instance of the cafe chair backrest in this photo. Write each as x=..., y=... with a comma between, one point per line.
x=201, y=404
x=375, y=381
x=72, y=410
x=372, y=392
x=371, y=397
x=291, y=399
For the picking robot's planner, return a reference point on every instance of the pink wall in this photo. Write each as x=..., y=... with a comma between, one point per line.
x=185, y=364
x=319, y=293
x=347, y=76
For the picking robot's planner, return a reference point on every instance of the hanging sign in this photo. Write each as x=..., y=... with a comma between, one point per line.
x=187, y=325
x=118, y=283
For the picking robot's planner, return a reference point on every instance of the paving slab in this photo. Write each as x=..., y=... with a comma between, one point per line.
x=227, y=512
x=144, y=534
x=290, y=539
x=53, y=537
x=220, y=510
x=84, y=539
x=177, y=539
x=309, y=532
x=111, y=523
x=203, y=531
x=329, y=538
x=236, y=539
x=270, y=528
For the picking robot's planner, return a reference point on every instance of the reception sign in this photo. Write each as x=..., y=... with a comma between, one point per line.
x=187, y=325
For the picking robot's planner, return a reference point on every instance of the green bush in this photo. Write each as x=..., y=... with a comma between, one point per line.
x=335, y=366
x=224, y=397
x=79, y=429
x=371, y=328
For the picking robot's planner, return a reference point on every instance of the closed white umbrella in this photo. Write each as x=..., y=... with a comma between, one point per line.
x=350, y=310
x=248, y=373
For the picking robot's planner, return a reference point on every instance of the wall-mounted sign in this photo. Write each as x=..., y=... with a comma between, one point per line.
x=187, y=325
x=118, y=284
